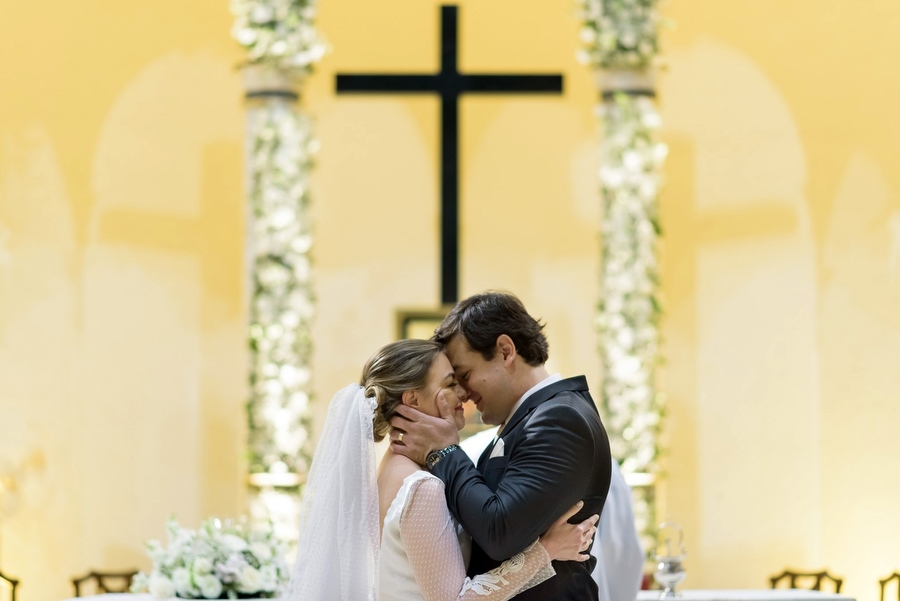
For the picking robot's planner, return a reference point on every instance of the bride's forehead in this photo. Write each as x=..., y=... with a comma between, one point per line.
x=440, y=359
x=441, y=364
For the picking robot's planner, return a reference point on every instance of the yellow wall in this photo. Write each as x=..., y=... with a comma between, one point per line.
x=121, y=311
x=783, y=285
x=122, y=354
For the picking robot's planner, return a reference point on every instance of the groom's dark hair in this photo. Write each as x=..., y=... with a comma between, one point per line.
x=482, y=318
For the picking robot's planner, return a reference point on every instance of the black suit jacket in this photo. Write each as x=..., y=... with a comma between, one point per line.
x=556, y=453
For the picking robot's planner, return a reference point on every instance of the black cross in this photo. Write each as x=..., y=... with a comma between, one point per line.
x=449, y=83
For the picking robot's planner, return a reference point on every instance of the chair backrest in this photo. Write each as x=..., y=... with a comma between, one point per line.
x=806, y=580
x=10, y=583
x=104, y=582
x=886, y=581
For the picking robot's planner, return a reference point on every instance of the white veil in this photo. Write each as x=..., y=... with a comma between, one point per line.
x=337, y=556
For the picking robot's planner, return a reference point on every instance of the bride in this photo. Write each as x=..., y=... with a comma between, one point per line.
x=390, y=536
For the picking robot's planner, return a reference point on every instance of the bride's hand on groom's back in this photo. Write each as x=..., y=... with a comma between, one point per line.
x=570, y=542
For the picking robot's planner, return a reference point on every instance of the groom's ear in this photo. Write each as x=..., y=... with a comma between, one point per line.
x=506, y=348
x=409, y=398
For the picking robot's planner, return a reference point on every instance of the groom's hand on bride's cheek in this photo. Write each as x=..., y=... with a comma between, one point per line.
x=415, y=434
x=402, y=442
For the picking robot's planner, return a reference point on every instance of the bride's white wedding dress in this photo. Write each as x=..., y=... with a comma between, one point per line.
x=424, y=553
x=418, y=557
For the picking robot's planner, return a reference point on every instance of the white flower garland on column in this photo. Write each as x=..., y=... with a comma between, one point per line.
x=278, y=33
x=619, y=34
x=282, y=46
x=621, y=42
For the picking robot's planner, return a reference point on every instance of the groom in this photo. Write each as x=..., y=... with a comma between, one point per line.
x=551, y=450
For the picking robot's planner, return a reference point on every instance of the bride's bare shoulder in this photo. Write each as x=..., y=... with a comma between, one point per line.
x=395, y=468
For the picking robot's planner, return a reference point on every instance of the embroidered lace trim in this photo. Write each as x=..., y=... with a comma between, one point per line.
x=429, y=536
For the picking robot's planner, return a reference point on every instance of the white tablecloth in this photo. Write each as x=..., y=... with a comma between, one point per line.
x=685, y=595
x=114, y=596
x=747, y=595
x=134, y=597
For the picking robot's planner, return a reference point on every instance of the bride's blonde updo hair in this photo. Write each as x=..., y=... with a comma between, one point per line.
x=392, y=370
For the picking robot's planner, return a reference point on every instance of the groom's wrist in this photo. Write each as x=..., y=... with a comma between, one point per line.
x=435, y=456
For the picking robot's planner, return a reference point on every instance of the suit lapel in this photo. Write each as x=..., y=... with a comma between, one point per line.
x=576, y=384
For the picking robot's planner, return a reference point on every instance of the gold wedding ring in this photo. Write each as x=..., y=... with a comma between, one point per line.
x=400, y=437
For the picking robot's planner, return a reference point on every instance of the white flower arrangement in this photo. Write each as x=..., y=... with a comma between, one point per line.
x=619, y=34
x=278, y=32
x=221, y=560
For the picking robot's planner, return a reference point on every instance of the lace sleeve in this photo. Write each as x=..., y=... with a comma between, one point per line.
x=429, y=535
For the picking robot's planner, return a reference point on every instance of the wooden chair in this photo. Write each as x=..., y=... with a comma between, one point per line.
x=105, y=582
x=886, y=581
x=806, y=580
x=10, y=583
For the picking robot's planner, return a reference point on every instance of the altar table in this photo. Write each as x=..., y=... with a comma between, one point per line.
x=136, y=597
x=684, y=595
x=764, y=594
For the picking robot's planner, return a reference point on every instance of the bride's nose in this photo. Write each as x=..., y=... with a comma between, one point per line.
x=462, y=393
